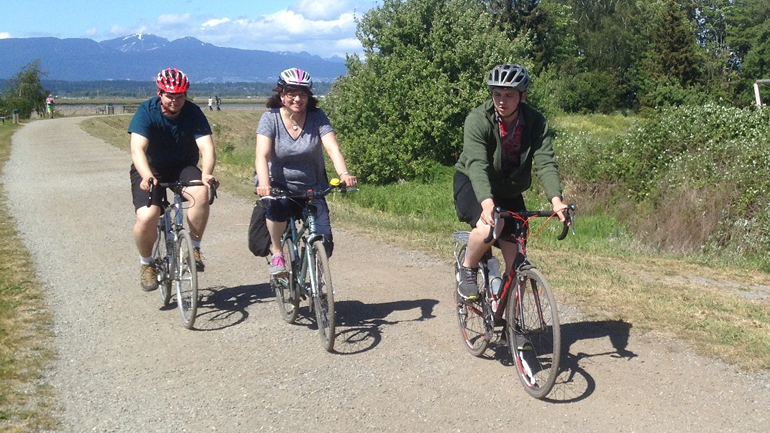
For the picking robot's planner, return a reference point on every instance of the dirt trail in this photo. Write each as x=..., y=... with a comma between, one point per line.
x=127, y=365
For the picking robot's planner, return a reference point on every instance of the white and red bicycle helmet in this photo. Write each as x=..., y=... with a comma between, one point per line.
x=172, y=80
x=295, y=77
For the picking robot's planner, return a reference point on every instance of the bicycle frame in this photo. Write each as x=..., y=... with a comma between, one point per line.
x=171, y=219
x=305, y=235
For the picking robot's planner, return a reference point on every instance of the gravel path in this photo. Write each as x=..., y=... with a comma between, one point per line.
x=127, y=365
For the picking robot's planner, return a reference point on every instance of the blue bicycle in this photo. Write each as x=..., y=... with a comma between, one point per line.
x=307, y=265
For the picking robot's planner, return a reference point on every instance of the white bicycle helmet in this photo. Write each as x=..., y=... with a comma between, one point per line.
x=508, y=75
x=295, y=77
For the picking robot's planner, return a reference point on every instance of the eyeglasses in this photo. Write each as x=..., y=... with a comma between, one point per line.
x=294, y=95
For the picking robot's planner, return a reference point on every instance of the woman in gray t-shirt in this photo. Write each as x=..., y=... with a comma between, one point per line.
x=291, y=137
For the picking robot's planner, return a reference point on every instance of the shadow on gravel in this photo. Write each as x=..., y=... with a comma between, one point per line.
x=223, y=307
x=574, y=382
x=359, y=324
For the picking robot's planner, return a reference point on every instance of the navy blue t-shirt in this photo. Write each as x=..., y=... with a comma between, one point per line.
x=172, y=141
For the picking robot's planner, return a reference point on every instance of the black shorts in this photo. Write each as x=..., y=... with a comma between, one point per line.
x=184, y=174
x=468, y=207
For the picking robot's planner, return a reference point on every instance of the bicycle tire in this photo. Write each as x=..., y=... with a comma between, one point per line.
x=161, y=257
x=284, y=285
x=470, y=315
x=186, y=279
x=323, y=295
x=535, y=320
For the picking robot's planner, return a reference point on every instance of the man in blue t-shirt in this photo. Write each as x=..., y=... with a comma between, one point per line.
x=168, y=139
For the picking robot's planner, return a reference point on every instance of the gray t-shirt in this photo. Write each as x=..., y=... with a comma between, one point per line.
x=296, y=164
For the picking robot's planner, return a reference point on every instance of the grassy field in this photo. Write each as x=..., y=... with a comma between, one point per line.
x=718, y=311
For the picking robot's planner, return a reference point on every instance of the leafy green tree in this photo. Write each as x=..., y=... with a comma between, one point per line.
x=399, y=114
x=24, y=92
x=671, y=57
x=546, y=23
x=747, y=36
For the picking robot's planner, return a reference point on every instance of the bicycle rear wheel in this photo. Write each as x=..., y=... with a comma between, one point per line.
x=160, y=255
x=187, y=280
x=284, y=285
x=533, y=332
x=323, y=295
x=470, y=316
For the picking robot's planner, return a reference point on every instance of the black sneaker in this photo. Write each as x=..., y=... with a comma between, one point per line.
x=468, y=287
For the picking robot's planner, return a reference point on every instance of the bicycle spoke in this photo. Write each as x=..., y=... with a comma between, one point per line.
x=323, y=295
x=187, y=280
x=284, y=286
x=534, y=334
x=474, y=330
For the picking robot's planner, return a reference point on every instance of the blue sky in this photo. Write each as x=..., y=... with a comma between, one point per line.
x=321, y=27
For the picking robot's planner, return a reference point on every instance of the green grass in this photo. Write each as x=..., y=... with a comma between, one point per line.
x=25, y=327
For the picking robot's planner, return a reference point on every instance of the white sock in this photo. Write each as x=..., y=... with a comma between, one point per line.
x=196, y=244
x=146, y=260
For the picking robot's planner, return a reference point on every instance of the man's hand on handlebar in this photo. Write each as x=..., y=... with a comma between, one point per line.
x=145, y=183
x=559, y=208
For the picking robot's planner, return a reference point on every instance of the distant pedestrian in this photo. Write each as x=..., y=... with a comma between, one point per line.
x=219, y=102
x=211, y=104
x=49, y=106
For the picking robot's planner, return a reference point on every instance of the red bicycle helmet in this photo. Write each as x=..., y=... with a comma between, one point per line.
x=172, y=80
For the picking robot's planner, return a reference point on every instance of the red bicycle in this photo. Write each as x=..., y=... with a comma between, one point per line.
x=521, y=308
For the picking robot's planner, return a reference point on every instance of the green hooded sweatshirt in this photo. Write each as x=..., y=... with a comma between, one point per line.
x=481, y=158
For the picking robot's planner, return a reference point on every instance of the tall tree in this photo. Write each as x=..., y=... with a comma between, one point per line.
x=24, y=92
x=400, y=112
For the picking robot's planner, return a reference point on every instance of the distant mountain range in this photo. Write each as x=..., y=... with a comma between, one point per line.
x=141, y=57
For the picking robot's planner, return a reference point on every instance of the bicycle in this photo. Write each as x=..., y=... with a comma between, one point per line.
x=173, y=251
x=523, y=305
x=307, y=273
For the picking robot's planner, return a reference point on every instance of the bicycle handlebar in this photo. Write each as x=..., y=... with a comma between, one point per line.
x=278, y=193
x=212, y=192
x=569, y=219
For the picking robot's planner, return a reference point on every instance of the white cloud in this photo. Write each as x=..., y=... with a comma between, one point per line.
x=321, y=27
x=5, y=35
x=321, y=9
x=215, y=22
x=92, y=32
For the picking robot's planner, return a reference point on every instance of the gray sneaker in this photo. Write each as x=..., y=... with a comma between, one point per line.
x=148, y=278
x=468, y=288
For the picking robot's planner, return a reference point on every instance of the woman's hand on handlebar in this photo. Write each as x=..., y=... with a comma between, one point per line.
x=348, y=180
x=263, y=191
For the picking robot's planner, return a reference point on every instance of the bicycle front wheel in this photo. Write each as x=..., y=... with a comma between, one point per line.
x=533, y=332
x=186, y=280
x=470, y=316
x=161, y=257
x=284, y=285
x=323, y=295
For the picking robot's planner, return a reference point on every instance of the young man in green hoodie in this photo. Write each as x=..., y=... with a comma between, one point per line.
x=503, y=139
